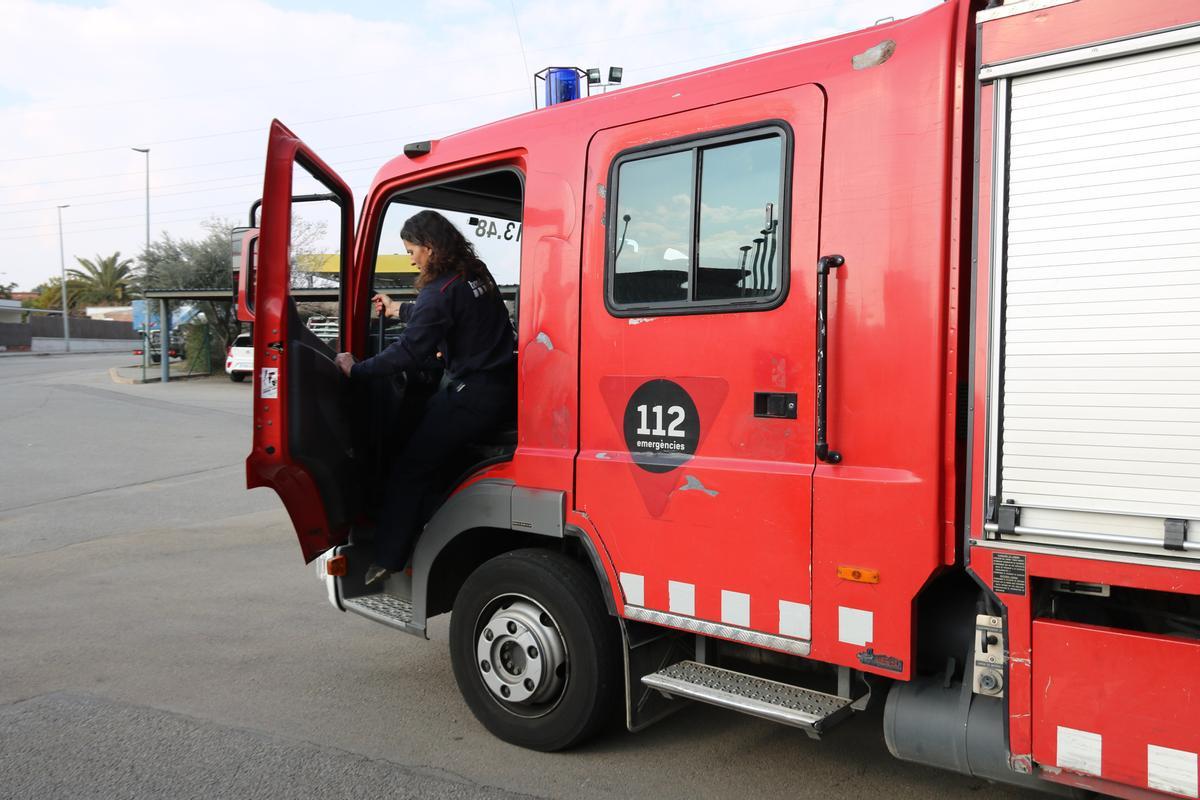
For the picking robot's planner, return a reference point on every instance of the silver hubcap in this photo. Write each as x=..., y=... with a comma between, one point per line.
x=520, y=653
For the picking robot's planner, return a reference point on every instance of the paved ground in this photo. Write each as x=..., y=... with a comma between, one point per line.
x=160, y=637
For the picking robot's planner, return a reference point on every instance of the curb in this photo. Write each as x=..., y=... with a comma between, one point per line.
x=43, y=353
x=115, y=374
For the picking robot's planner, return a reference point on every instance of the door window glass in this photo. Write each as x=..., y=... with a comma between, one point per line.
x=315, y=256
x=699, y=226
x=738, y=255
x=653, y=230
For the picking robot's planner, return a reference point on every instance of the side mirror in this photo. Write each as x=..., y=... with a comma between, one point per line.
x=244, y=261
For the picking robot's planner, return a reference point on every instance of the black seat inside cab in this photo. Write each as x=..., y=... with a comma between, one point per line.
x=492, y=448
x=498, y=448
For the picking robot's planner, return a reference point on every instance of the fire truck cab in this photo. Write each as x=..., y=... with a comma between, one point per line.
x=863, y=371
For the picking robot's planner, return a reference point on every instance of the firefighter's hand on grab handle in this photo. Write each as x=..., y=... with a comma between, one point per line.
x=344, y=362
x=386, y=306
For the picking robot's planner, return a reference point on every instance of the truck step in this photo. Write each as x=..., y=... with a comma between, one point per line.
x=386, y=608
x=814, y=712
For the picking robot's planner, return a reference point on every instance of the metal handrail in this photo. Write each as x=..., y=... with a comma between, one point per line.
x=1108, y=538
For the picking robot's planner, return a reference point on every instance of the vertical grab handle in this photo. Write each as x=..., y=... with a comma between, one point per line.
x=382, y=315
x=824, y=265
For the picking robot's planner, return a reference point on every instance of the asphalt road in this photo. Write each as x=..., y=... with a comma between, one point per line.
x=161, y=637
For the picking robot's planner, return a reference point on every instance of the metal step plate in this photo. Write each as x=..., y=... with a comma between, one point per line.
x=386, y=608
x=815, y=712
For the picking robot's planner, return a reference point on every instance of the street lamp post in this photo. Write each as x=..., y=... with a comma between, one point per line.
x=62, y=262
x=145, y=257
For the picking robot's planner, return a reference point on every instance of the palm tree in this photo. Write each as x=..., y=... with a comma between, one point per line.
x=102, y=280
x=49, y=294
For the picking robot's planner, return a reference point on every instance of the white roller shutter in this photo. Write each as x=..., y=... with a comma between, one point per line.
x=1101, y=370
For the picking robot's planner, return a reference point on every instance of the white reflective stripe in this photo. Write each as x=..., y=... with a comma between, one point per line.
x=1171, y=770
x=795, y=619
x=735, y=608
x=634, y=587
x=855, y=626
x=1079, y=750
x=681, y=598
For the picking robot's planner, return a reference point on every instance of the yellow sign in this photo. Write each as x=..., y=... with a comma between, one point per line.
x=325, y=262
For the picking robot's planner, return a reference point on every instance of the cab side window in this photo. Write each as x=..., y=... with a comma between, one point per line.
x=700, y=225
x=487, y=208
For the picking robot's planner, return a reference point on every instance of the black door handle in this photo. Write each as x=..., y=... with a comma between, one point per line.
x=775, y=405
x=824, y=265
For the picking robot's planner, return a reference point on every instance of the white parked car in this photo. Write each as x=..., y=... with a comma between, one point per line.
x=239, y=357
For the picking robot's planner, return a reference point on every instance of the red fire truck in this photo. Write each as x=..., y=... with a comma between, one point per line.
x=865, y=371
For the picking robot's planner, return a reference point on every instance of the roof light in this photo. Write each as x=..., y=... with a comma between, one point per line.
x=414, y=149
x=614, y=74
x=562, y=85
x=593, y=76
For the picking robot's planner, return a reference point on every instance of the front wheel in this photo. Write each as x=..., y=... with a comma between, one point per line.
x=534, y=651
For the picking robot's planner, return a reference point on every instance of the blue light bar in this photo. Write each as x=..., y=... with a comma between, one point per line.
x=562, y=84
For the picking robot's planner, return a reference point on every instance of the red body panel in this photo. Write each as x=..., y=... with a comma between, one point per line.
x=747, y=529
x=1020, y=622
x=1060, y=671
x=886, y=207
x=1126, y=694
x=1078, y=23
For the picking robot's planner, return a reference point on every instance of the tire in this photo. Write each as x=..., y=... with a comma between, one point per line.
x=237, y=377
x=525, y=611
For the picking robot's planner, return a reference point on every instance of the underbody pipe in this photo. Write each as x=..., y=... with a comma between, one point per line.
x=952, y=728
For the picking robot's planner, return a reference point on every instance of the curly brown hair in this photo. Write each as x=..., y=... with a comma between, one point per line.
x=450, y=250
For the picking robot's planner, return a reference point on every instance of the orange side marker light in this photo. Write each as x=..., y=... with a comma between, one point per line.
x=858, y=574
x=336, y=566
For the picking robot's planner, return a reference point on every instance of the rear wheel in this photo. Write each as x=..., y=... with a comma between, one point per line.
x=534, y=650
x=237, y=377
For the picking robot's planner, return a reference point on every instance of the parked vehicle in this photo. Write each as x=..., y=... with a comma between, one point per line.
x=239, y=357
x=896, y=399
x=175, y=349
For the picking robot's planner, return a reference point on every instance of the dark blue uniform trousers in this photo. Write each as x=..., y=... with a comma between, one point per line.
x=460, y=412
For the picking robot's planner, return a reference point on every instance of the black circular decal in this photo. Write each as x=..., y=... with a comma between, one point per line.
x=662, y=427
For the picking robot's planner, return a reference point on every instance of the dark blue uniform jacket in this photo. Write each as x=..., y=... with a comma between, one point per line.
x=463, y=319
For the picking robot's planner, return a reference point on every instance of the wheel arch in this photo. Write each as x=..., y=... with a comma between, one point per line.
x=482, y=521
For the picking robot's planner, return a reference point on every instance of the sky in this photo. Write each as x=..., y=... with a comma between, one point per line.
x=81, y=83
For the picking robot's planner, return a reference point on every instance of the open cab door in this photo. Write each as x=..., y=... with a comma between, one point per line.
x=304, y=420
